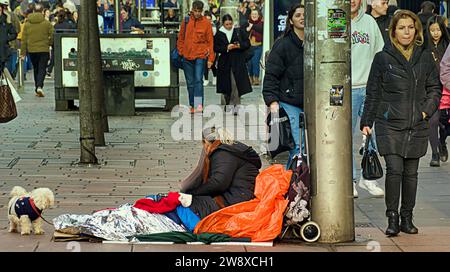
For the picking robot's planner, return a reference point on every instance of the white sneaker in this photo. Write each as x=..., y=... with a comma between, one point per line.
x=40, y=92
x=355, y=192
x=205, y=83
x=371, y=186
x=214, y=81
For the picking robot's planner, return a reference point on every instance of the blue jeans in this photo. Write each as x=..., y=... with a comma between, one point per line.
x=253, y=63
x=12, y=63
x=294, y=118
x=193, y=72
x=358, y=99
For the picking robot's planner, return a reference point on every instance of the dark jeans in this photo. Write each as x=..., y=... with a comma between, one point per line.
x=401, y=177
x=39, y=61
x=52, y=62
x=193, y=72
x=12, y=63
x=444, y=125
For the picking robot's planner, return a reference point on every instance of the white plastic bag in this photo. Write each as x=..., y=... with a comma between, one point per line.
x=10, y=82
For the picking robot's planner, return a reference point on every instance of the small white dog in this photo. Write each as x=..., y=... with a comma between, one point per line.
x=25, y=209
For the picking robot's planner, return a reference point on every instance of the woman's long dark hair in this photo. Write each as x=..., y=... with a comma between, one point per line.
x=439, y=49
x=227, y=17
x=291, y=13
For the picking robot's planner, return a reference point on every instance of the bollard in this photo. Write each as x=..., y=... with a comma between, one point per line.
x=20, y=72
x=328, y=108
x=139, y=10
x=117, y=15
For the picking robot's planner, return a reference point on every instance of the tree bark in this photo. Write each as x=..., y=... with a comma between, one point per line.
x=96, y=78
x=87, y=139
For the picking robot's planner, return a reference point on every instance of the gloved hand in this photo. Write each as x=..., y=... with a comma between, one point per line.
x=185, y=199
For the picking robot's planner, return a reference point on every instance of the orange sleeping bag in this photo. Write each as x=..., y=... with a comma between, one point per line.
x=260, y=219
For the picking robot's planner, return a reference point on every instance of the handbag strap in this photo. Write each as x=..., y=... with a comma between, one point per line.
x=3, y=78
x=369, y=140
x=186, y=21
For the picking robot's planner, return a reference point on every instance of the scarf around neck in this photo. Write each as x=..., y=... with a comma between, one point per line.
x=228, y=33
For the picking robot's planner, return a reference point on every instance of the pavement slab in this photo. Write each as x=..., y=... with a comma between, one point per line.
x=40, y=148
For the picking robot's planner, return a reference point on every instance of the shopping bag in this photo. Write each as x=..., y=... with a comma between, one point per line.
x=176, y=59
x=370, y=164
x=8, y=109
x=12, y=85
x=280, y=136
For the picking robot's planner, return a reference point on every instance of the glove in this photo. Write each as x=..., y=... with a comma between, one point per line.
x=185, y=200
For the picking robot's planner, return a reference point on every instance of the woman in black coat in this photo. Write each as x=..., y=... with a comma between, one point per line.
x=283, y=81
x=231, y=45
x=437, y=42
x=225, y=175
x=7, y=34
x=403, y=92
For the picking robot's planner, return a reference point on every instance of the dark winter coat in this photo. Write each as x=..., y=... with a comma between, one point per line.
x=284, y=80
x=383, y=23
x=232, y=175
x=234, y=61
x=7, y=34
x=397, y=93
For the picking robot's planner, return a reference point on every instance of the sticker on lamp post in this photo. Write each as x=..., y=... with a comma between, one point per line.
x=337, y=95
x=337, y=24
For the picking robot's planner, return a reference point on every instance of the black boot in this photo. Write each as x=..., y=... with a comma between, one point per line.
x=393, y=224
x=435, y=160
x=443, y=153
x=407, y=225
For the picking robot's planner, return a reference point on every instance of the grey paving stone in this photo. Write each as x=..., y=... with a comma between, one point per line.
x=41, y=149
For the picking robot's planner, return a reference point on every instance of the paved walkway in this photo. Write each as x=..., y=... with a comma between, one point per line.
x=41, y=149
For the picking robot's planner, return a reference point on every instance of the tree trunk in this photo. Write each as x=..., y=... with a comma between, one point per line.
x=96, y=78
x=86, y=121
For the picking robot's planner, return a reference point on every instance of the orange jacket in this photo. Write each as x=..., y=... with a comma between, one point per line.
x=198, y=42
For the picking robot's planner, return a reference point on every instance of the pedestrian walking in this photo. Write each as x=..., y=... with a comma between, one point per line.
x=195, y=45
x=37, y=38
x=213, y=69
x=232, y=75
x=255, y=29
x=444, y=106
x=437, y=41
x=14, y=44
x=366, y=41
x=7, y=34
x=379, y=11
x=403, y=92
x=283, y=80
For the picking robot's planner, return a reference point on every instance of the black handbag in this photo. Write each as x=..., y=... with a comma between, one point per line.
x=280, y=135
x=370, y=164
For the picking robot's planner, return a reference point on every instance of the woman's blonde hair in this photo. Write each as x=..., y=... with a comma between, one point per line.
x=404, y=14
x=212, y=134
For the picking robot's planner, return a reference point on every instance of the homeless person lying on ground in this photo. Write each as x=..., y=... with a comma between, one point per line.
x=225, y=174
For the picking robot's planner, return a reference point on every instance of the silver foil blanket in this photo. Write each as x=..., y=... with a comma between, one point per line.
x=116, y=224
